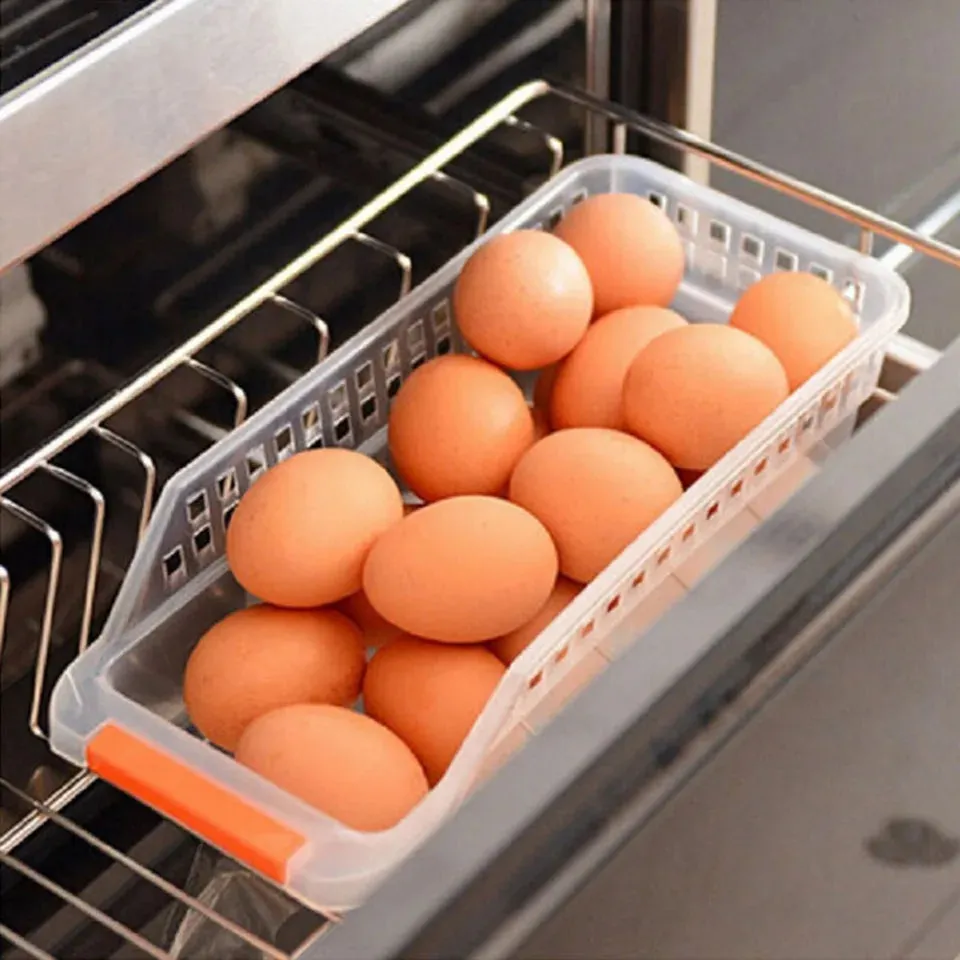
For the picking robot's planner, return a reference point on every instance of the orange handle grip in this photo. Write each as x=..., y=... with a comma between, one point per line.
x=209, y=810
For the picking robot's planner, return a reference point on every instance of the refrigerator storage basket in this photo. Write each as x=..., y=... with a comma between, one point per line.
x=118, y=709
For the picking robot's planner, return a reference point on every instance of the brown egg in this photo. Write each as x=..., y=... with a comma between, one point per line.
x=596, y=491
x=300, y=534
x=509, y=647
x=462, y=570
x=376, y=631
x=343, y=763
x=588, y=391
x=523, y=300
x=631, y=250
x=458, y=426
x=261, y=658
x=800, y=317
x=430, y=695
x=696, y=392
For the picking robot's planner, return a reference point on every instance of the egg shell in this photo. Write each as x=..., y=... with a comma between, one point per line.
x=800, y=317
x=596, y=490
x=301, y=533
x=261, y=658
x=588, y=390
x=341, y=762
x=631, y=250
x=430, y=695
x=458, y=425
x=462, y=570
x=510, y=646
x=523, y=299
x=376, y=631
x=695, y=392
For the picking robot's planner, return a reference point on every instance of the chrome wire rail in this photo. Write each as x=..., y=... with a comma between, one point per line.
x=144, y=873
x=609, y=119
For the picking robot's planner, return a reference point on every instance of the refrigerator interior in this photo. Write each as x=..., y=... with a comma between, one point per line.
x=87, y=872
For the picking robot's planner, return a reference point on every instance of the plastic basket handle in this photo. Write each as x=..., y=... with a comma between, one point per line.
x=202, y=806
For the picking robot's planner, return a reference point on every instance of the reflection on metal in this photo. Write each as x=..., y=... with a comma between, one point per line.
x=49, y=604
x=222, y=380
x=401, y=259
x=663, y=67
x=4, y=603
x=297, y=310
x=95, y=914
x=72, y=789
x=28, y=948
x=698, y=88
x=597, y=22
x=149, y=473
x=619, y=138
x=902, y=256
x=553, y=144
x=480, y=200
x=96, y=543
x=143, y=872
x=558, y=17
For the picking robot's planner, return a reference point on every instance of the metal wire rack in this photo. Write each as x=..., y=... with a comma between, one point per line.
x=96, y=425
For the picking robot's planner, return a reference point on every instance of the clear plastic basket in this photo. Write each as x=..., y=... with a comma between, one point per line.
x=118, y=709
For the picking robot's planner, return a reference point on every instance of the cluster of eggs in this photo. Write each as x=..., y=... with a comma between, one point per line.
x=518, y=505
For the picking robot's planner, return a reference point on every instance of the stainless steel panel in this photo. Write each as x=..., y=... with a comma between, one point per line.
x=942, y=938
x=858, y=97
x=935, y=317
x=81, y=134
x=830, y=828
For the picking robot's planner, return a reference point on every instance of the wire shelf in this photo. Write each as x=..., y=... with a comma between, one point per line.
x=98, y=426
